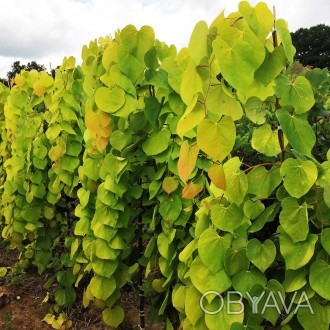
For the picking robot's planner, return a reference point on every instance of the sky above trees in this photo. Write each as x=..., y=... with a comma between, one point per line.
x=46, y=31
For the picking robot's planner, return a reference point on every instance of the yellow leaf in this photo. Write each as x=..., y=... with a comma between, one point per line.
x=191, y=83
x=217, y=176
x=99, y=303
x=38, y=89
x=44, y=301
x=193, y=115
x=101, y=143
x=19, y=80
x=170, y=184
x=190, y=190
x=216, y=139
x=157, y=285
x=76, y=269
x=68, y=324
x=187, y=160
x=55, y=153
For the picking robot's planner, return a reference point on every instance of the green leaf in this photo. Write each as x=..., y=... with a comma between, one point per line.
x=246, y=279
x=65, y=297
x=121, y=80
x=232, y=312
x=192, y=116
x=151, y=58
x=154, y=188
x=281, y=27
x=216, y=139
x=191, y=83
x=212, y=248
x=319, y=278
x=187, y=252
x=204, y=280
x=326, y=195
x=198, y=42
x=165, y=248
x=265, y=140
x=156, y=142
x=297, y=93
x=261, y=182
x=236, y=181
x=31, y=213
x=170, y=209
x=120, y=140
x=297, y=130
x=294, y=219
x=295, y=279
x=319, y=319
x=102, y=287
x=227, y=218
x=3, y=270
x=129, y=64
x=53, y=131
x=191, y=304
x=170, y=184
x=110, y=100
x=152, y=110
x=66, y=278
x=238, y=61
x=253, y=209
x=220, y=102
x=103, y=250
x=275, y=290
x=178, y=297
x=104, y=268
x=272, y=66
x=298, y=177
x=113, y=317
x=255, y=110
x=118, y=188
x=92, y=168
x=325, y=240
x=236, y=261
x=261, y=255
x=297, y=255
x=259, y=18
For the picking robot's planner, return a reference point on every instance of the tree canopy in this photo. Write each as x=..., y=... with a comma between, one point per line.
x=313, y=45
x=17, y=67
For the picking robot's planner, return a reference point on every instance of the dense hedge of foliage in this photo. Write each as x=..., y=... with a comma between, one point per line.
x=206, y=169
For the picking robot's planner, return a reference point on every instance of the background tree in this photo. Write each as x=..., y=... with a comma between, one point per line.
x=313, y=45
x=4, y=81
x=17, y=67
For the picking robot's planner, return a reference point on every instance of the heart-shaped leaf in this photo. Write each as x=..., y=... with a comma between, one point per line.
x=260, y=254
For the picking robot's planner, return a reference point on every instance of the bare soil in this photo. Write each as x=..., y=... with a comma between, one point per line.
x=22, y=306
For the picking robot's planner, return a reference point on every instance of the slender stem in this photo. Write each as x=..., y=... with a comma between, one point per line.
x=141, y=272
x=141, y=268
x=258, y=165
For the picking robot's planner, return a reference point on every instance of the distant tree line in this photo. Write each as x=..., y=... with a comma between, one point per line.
x=17, y=67
x=313, y=46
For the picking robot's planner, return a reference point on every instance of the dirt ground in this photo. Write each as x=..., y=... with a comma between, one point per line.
x=22, y=306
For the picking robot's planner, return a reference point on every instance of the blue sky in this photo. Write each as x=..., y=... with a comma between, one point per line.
x=48, y=30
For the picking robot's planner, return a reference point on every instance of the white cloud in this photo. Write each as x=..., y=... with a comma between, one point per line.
x=48, y=30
